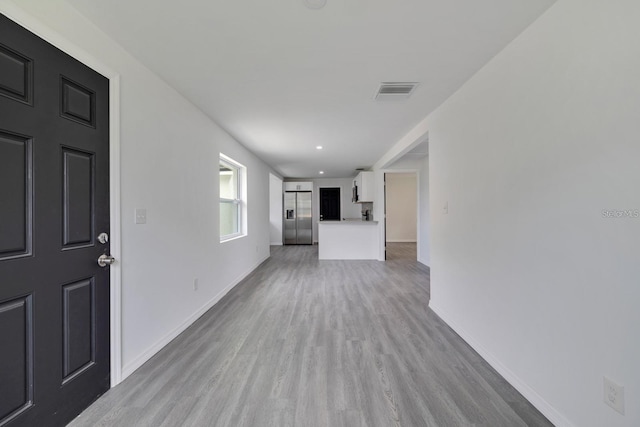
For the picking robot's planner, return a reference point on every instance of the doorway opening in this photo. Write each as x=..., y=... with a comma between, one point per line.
x=330, y=204
x=401, y=215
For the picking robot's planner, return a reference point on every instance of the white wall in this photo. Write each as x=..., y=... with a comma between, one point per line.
x=401, y=195
x=528, y=154
x=407, y=162
x=347, y=209
x=424, y=214
x=275, y=209
x=169, y=165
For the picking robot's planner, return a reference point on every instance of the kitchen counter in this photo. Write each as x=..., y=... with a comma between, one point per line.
x=348, y=239
x=349, y=221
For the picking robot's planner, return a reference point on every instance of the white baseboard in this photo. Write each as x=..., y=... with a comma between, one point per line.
x=424, y=263
x=531, y=395
x=401, y=241
x=130, y=367
x=276, y=243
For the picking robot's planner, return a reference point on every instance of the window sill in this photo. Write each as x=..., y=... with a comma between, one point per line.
x=232, y=237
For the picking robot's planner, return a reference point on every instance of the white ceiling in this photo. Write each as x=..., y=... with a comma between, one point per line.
x=282, y=78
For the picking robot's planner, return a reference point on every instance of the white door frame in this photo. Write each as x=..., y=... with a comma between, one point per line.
x=384, y=201
x=41, y=30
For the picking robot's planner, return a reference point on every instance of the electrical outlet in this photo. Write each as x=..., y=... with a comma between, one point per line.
x=195, y=284
x=614, y=395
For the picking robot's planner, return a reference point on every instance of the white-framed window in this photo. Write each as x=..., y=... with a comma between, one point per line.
x=232, y=199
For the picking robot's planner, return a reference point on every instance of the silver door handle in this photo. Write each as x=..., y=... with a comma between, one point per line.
x=105, y=260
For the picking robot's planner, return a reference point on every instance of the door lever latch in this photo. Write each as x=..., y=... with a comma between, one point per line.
x=105, y=260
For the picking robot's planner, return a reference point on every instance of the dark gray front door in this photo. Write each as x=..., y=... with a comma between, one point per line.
x=54, y=202
x=330, y=204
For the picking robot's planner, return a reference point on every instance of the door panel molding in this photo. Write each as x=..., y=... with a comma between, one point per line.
x=78, y=198
x=77, y=103
x=17, y=83
x=16, y=193
x=16, y=316
x=79, y=328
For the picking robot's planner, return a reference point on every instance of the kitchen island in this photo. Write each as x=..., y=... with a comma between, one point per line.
x=348, y=239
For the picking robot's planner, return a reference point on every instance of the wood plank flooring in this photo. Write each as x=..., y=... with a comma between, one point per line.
x=401, y=251
x=302, y=342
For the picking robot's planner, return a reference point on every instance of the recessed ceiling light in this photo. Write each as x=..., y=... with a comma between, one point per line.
x=319, y=147
x=321, y=172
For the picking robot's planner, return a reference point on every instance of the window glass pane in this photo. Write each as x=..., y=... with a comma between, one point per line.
x=232, y=204
x=228, y=218
x=228, y=182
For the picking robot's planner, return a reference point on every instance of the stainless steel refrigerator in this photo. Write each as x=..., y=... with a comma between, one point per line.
x=297, y=218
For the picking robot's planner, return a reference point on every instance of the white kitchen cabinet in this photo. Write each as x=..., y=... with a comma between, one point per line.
x=298, y=186
x=365, y=183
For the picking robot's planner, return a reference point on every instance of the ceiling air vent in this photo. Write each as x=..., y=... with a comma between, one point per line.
x=395, y=90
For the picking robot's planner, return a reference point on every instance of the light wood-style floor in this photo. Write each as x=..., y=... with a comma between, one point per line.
x=302, y=342
x=397, y=251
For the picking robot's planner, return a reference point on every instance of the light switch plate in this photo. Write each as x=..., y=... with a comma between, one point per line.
x=141, y=216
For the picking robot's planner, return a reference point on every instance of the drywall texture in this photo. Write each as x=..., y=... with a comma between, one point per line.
x=401, y=200
x=169, y=165
x=528, y=264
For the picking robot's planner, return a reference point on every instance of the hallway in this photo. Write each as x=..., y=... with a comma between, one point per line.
x=302, y=342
